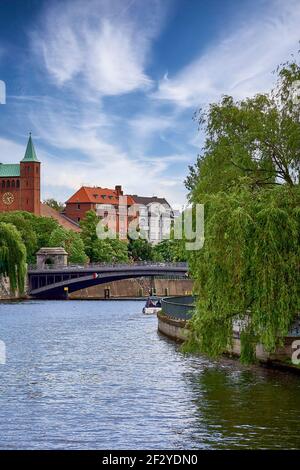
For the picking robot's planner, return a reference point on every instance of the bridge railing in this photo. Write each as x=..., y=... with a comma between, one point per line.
x=180, y=307
x=34, y=267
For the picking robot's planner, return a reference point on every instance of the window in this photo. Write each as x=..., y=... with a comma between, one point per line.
x=8, y=184
x=78, y=206
x=78, y=219
x=3, y=184
x=13, y=183
x=18, y=183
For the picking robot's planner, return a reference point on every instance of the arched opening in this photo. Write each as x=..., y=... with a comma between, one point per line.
x=49, y=261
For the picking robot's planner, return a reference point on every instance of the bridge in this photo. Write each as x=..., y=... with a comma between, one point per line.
x=55, y=282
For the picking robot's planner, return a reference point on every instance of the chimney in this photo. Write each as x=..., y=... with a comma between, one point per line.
x=118, y=190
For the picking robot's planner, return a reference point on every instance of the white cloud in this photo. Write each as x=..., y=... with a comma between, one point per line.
x=104, y=43
x=242, y=63
x=61, y=177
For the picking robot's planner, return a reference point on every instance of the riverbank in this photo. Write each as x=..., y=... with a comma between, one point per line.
x=177, y=330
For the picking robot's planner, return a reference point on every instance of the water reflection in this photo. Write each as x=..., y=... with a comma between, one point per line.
x=97, y=375
x=246, y=408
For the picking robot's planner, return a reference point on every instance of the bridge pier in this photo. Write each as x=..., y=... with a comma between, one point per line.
x=61, y=294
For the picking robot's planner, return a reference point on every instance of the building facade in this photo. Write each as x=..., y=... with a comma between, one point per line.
x=155, y=216
x=20, y=183
x=110, y=205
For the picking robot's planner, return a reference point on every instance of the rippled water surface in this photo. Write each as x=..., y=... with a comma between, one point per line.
x=97, y=375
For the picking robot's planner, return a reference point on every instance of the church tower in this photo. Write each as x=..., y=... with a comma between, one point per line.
x=30, y=180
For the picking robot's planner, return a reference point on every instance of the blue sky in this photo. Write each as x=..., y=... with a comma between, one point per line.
x=109, y=87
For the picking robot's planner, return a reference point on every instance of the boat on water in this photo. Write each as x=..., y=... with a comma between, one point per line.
x=153, y=305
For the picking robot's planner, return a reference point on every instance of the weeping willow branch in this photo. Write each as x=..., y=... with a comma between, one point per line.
x=250, y=259
x=12, y=256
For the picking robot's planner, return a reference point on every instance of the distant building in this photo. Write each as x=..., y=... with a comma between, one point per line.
x=109, y=204
x=155, y=217
x=20, y=183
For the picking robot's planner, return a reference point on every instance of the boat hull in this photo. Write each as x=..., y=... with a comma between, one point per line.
x=151, y=310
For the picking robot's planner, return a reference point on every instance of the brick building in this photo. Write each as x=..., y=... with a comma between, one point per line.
x=110, y=204
x=20, y=183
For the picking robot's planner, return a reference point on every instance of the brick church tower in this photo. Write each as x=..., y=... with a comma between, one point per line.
x=30, y=180
x=20, y=183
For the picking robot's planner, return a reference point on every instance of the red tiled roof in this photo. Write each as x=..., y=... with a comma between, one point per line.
x=47, y=211
x=97, y=195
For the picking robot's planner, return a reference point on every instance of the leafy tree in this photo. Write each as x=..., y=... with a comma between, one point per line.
x=257, y=137
x=248, y=270
x=89, y=236
x=71, y=242
x=248, y=178
x=58, y=206
x=170, y=251
x=108, y=250
x=26, y=230
x=43, y=227
x=12, y=256
x=140, y=249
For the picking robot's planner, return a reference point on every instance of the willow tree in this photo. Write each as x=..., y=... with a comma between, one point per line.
x=248, y=270
x=257, y=138
x=12, y=256
x=248, y=179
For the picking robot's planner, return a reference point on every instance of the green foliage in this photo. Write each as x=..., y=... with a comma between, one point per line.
x=43, y=227
x=257, y=137
x=58, y=206
x=26, y=230
x=170, y=251
x=140, y=250
x=12, y=256
x=248, y=269
x=71, y=242
x=88, y=226
x=35, y=230
x=107, y=250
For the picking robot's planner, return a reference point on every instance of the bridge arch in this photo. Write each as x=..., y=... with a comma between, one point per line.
x=57, y=283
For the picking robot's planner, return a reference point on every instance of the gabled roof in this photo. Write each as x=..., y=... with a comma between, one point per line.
x=149, y=200
x=97, y=195
x=9, y=170
x=30, y=155
x=47, y=211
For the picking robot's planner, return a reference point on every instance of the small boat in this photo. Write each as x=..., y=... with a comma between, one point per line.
x=153, y=305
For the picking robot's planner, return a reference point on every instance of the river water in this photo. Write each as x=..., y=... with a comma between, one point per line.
x=97, y=375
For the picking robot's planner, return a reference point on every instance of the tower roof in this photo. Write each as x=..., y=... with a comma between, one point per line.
x=30, y=155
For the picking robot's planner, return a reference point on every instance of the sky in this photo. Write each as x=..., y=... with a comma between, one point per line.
x=109, y=88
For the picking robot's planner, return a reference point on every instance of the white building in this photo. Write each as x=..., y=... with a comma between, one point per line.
x=155, y=217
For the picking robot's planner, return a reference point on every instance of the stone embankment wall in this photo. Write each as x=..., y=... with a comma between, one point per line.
x=5, y=293
x=139, y=287
x=281, y=358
